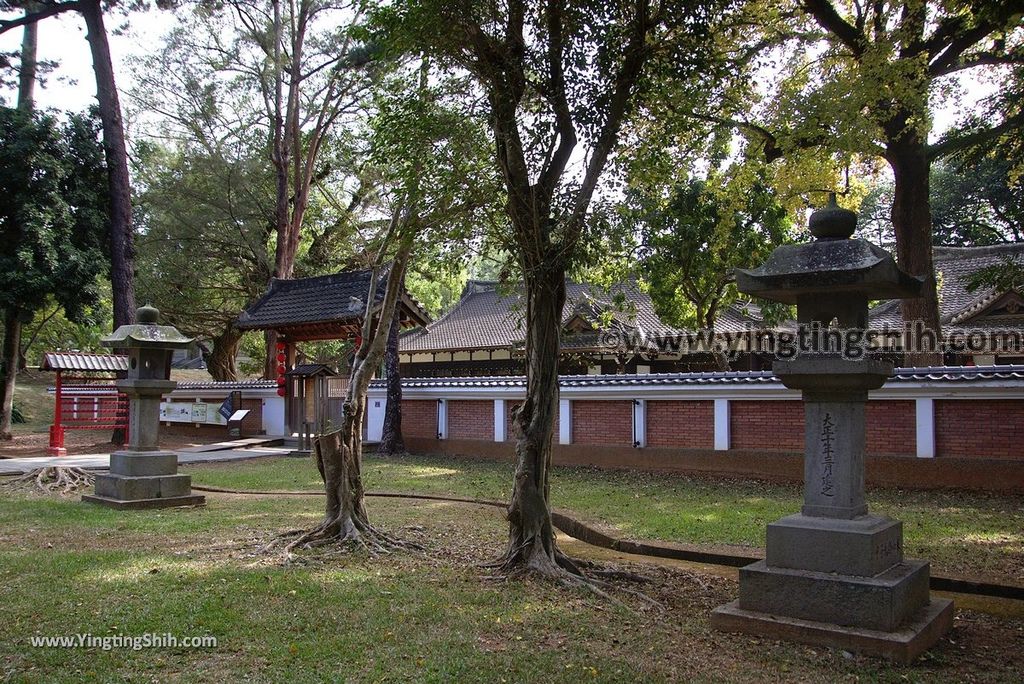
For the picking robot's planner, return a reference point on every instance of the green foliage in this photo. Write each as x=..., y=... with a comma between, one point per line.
x=16, y=414
x=205, y=219
x=53, y=212
x=50, y=329
x=692, y=232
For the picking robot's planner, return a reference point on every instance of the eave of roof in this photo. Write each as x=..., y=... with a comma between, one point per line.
x=960, y=374
x=84, y=362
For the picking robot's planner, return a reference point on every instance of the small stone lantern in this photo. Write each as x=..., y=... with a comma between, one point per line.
x=142, y=476
x=834, y=574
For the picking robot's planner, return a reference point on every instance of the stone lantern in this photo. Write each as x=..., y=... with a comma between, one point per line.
x=833, y=574
x=142, y=476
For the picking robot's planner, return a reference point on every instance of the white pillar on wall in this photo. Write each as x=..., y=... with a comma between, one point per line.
x=442, y=419
x=639, y=423
x=499, y=420
x=564, y=421
x=375, y=409
x=925, y=409
x=722, y=436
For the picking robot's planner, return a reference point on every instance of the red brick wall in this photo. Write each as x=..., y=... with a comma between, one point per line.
x=252, y=423
x=687, y=424
x=419, y=418
x=979, y=428
x=471, y=419
x=768, y=425
x=602, y=422
x=891, y=427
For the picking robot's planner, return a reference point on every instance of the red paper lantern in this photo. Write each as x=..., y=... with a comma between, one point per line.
x=280, y=391
x=281, y=370
x=281, y=358
x=280, y=379
x=280, y=346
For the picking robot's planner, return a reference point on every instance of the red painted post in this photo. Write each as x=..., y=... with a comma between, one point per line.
x=56, y=447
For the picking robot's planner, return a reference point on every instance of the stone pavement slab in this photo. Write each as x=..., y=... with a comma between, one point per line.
x=16, y=466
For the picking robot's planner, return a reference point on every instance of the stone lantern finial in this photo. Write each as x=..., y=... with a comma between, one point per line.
x=832, y=222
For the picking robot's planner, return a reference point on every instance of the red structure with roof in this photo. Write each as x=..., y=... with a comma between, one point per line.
x=88, y=399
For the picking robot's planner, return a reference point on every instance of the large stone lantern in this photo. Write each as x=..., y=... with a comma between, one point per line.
x=142, y=476
x=834, y=574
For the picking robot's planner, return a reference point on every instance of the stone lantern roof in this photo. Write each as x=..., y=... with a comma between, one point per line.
x=146, y=333
x=833, y=263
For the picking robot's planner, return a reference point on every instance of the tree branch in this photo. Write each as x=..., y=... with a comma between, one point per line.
x=31, y=17
x=827, y=17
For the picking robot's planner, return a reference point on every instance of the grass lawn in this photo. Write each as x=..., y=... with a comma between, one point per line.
x=69, y=568
x=973, y=535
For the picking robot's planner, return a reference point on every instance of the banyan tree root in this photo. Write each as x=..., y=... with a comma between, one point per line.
x=346, y=523
x=52, y=480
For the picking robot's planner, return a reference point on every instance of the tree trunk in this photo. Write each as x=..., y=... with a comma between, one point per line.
x=221, y=361
x=531, y=534
x=338, y=454
x=27, y=72
x=270, y=338
x=122, y=252
x=912, y=224
x=391, y=442
x=12, y=357
x=12, y=343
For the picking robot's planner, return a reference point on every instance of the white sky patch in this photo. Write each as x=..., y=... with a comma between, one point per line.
x=72, y=86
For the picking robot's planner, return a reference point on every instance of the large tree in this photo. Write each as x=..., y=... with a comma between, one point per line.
x=559, y=80
x=121, y=235
x=312, y=72
x=53, y=222
x=861, y=79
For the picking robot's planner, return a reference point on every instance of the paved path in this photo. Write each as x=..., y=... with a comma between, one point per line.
x=14, y=466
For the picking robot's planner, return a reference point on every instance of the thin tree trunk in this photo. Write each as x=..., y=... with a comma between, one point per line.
x=391, y=442
x=221, y=361
x=339, y=453
x=270, y=362
x=122, y=252
x=531, y=534
x=27, y=71
x=12, y=320
x=912, y=223
x=12, y=343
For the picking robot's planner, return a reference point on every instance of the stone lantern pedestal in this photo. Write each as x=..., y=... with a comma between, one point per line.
x=833, y=574
x=143, y=476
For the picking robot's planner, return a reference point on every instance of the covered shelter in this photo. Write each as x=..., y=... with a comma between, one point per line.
x=85, y=396
x=328, y=307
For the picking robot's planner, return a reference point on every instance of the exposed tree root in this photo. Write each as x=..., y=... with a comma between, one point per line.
x=533, y=558
x=61, y=480
x=349, y=534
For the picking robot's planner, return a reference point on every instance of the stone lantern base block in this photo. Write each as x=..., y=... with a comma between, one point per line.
x=864, y=546
x=903, y=645
x=883, y=602
x=144, y=479
x=143, y=463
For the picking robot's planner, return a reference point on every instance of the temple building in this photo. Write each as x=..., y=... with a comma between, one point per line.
x=617, y=331
x=605, y=331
